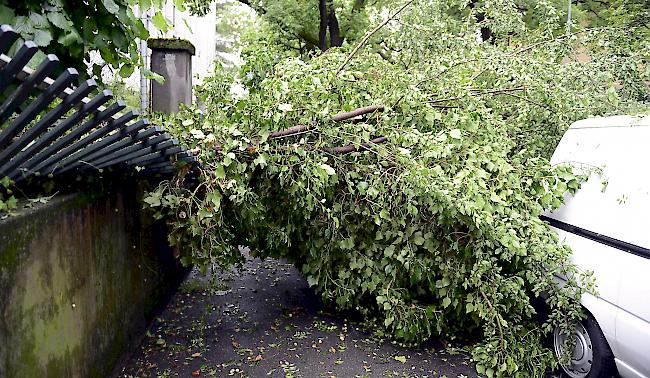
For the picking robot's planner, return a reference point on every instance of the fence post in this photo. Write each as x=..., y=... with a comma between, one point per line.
x=171, y=58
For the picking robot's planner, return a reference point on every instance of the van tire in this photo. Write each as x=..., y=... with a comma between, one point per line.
x=602, y=362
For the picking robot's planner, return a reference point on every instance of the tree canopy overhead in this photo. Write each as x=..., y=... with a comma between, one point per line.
x=421, y=214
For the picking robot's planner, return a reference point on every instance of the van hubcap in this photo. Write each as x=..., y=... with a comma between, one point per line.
x=582, y=356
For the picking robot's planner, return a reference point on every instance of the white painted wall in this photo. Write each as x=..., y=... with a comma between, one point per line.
x=201, y=31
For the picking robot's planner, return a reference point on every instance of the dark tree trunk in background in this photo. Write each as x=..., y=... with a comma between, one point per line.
x=322, y=28
x=335, y=32
x=329, y=21
x=486, y=33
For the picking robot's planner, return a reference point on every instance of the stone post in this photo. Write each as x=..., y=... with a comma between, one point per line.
x=171, y=58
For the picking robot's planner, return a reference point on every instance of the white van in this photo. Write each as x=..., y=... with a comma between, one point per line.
x=607, y=225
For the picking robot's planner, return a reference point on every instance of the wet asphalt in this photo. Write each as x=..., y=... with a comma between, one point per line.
x=264, y=321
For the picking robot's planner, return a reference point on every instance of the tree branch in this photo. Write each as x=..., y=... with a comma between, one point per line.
x=365, y=38
x=357, y=112
x=301, y=129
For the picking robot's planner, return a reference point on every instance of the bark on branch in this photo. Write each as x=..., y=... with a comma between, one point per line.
x=333, y=25
x=343, y=116
x=357, y=112
x=299, y=129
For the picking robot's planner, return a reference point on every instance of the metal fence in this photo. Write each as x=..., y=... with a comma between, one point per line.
x=50, y=126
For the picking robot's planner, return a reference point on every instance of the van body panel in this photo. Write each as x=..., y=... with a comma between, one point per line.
x=613, y=205
x=624, y=370
x=615, y=201
x=633, y=321
x=593, y=256
x=633, y=335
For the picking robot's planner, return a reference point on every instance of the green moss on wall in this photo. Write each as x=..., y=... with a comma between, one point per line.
x=77, y=277
x=171, y=44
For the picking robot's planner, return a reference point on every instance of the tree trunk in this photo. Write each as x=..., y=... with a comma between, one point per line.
x=335, y=31
x=322, y=28
x=486, y=33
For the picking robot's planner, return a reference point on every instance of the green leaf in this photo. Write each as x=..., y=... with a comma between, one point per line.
x=330, y=171
x=7, y=15
x=180, y=5
x=215, y=199
x=70, y=38
x=5, y=181
x=110, y=6
x=260, y=160
x=38, y=21
x=401, y=359
x=126, y=70
x=285, y=107
x=205, y=213
x=59, y=20
x=418, y=239
x=42, y=37
x=144, y=5
x=154, y=76
x=160, y=22
x=455, y=133
x=347, y=243
x=219, y=172
x=153, y=200
x=11, y=202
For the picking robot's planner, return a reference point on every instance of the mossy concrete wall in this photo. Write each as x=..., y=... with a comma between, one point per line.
x=171, y=58
x=79, y=277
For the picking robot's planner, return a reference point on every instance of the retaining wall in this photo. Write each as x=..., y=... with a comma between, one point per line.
x=79, y=279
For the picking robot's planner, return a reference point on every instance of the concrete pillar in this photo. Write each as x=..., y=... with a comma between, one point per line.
x=171, y=58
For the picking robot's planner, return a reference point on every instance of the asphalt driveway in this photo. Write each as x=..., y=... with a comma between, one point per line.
x=264, y=321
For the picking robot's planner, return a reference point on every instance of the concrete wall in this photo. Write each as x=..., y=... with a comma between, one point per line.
x=176, y=67
x=79, y=277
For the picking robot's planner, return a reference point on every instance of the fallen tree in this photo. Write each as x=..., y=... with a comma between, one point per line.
x=423, y=217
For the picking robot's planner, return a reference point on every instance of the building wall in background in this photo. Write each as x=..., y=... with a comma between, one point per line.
x=201, y=31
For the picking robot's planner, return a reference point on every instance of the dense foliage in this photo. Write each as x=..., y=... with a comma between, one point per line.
x=71, y=29
x=434, y=231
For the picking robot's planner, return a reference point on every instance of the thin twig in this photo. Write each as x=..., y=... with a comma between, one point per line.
x=522, y=50
x=497, y=317
x=355, y=148
x=365, y=38
x=527, y=99
x=479, y=92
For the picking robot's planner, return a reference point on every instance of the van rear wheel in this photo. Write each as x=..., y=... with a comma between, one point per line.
x=591, y=356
